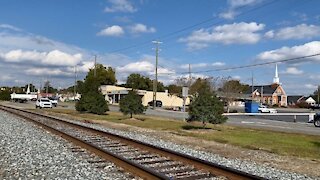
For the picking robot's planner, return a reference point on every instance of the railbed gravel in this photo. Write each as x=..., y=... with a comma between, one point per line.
x=245, y=166
x=27, y=152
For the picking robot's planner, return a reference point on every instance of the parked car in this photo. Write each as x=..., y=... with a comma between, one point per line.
x=158, y=103
x=316, y=120
x=54, y=101
x=43, y=103
x=265, y=109
x=316, y=106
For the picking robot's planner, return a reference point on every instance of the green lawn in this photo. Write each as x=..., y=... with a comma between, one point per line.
x=289, y=144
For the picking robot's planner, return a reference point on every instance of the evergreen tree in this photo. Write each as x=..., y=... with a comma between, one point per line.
x=92, y=100
x=206, y=108
x=5, y=95
x=131, y=104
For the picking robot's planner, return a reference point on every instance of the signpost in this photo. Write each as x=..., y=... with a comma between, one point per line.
x=184, y=95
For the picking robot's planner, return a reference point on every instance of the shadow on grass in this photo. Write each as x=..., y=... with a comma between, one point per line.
x=190, y=127
x=316, y=143
x=131, y=119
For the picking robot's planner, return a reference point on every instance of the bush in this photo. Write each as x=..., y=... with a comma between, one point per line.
x=5, y=95
x=303, y=105
x=131, y=104
x=206, y=107
x=92, y=102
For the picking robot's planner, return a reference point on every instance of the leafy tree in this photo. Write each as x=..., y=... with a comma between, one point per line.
x=206, y=108
x=316, y=95
x=47, y=84
x=17, y=90
x=32, y=88
x=104, y=76
x=79, y=88
x=5, y=95
x=137, y=81
x=131, y=104
x=200, y=85
x=174, y=89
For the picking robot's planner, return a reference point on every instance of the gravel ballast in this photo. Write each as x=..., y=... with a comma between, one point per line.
x=246, y=166
x=27, y=152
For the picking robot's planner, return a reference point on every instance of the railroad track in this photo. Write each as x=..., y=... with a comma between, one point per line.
x=141, y=159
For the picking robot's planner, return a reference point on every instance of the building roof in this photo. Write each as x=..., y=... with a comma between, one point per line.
x=294, y=99
x=267, y=89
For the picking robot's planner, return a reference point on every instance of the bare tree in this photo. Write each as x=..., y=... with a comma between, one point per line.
x=231, y=90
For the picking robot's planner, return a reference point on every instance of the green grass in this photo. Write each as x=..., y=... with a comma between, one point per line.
x=289, y=144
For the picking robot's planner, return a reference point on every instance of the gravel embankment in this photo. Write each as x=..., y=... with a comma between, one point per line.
x=27, y=152
x=246, y=166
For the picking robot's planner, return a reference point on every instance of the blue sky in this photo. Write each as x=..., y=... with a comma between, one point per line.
x=45, y=39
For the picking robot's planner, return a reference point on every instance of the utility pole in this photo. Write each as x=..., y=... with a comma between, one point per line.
x=75, y=83
x=95, y=66
x=155, y=82
x=318, y=95
x=262, y=95
x=190, y=76
x=252, y=86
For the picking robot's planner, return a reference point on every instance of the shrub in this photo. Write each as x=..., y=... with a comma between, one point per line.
x=92, y=102
x=5, y=95
x=303, y=105
x=131, y=104
x=206, y=107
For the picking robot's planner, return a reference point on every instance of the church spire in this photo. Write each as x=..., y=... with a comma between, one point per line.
x=276, y=77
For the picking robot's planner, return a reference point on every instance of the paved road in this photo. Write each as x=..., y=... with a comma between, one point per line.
x=276, y=123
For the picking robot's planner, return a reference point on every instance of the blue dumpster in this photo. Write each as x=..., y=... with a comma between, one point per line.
x=251, y=107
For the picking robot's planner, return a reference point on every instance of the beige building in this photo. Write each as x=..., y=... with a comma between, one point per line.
x=113, y=94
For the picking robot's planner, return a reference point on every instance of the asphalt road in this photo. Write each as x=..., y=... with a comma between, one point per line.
x=274, y=122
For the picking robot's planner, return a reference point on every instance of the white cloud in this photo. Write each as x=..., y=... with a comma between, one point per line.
x=239, y=3
x=301, y=31
x=120, y=6
x=5, y=77
x=10, y=27
x=114, y=30
x=293, y=71
x=236, y=33
x=137, y=67
x=230, y=14
x=292, y=52
x=236, y=77
x=201, y=65
x=141, y=28
x=54, y=58
x=217, y=64
x=310, y=86
x=47, y=72
x=233, y=5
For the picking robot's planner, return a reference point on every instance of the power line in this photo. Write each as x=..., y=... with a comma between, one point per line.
x=250, y=65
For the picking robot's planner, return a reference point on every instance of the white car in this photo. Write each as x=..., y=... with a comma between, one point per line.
x=53, y=101
x=265, y=109
x=43, y=103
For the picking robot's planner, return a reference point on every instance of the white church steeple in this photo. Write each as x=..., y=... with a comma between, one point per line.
x=276, y=77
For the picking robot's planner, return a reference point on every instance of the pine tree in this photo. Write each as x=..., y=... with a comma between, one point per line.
x=131, y=104
x=206, y=108
x=92, y=100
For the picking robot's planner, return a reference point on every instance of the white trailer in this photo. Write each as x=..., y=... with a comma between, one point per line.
x=23, y=97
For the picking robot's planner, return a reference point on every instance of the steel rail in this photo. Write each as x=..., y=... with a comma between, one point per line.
x=214, y=168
